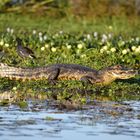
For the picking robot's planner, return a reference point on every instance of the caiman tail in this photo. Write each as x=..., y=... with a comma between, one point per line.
x=19, y=73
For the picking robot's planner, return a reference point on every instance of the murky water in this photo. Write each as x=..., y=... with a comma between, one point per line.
x=105, y=120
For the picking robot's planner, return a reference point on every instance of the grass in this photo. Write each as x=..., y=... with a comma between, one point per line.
x=120, y=25
x=96, y=43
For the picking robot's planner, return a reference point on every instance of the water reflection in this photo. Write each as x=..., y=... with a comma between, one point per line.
x=103, y=121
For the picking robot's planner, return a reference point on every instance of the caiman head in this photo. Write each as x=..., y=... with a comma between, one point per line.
x=116, y=72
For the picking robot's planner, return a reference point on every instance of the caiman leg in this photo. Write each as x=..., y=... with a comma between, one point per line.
x=85, y=80
x=53, y=76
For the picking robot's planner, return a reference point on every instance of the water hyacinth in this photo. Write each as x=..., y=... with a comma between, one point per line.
x=105, y=47
x=109, y=35
x=14, y=88
x=47, y=46
x=40, y=39
x=106, y=43
x=95, y=34
x=1, y=43
x=110, y=27
x=34, y=32
x=40, y=34
x=61, y=32
x=12, y=31
x=88, y=36
x=133, y=48
x=124, y=51
x=8, y=30
x=80, y=46
x=45, y=37
x=6, y=45
x=137, y=50
x=69, y=46
x=137, y=39
x=104, y=37
x=101, y=50
x=42, y=48
x=113, y=49
x=83, y=56
x=53, y=49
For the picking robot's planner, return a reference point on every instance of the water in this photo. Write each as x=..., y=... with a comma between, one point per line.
x=106, y=120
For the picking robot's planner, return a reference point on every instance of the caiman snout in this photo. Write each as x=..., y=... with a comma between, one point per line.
x=125, y=74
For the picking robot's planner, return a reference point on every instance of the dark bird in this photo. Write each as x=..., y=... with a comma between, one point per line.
x=23, y=51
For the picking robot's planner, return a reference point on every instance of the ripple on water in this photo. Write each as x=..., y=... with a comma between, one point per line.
x=104, y=120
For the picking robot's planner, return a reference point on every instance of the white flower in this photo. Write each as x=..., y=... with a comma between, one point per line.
x=60, y=32
x=34, y=32
x=68, y=46
x=12, y=31
x=53, y=49
x=113, y=49
x=102, y=50
x=14, y=88
x=52, y=43
x=84, y=39
x=128, y=50
x=110, y=35
x=83, y=55
x=40, y=33
x=133, y=48
x=110, y=27
x=88, y=36
x=124, y=51
x=104, y=37
x=1, y=42
x=103, y=40
x=137, y=39
x=105, y=47
x=45, y=37
x=137, y=50
x=46, y=45
x=41, y=39
x=8, y=29
x=80, y=46
x=95, y=34
x=42, y=48
x=108, y=52
x=6, y=45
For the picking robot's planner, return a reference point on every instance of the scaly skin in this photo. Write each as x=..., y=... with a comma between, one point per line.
x=67, y=72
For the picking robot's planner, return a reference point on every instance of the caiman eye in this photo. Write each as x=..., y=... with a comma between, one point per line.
x=121, y=72
x=118, y=66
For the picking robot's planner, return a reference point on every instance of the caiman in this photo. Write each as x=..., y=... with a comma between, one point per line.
x=68, y=72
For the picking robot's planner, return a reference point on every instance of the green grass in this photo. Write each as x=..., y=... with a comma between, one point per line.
x=70, y=40
x=119, y=25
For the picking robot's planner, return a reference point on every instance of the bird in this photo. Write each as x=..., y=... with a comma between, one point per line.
x=24, y=51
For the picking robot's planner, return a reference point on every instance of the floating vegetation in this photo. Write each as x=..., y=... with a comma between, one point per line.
x=95, y=50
